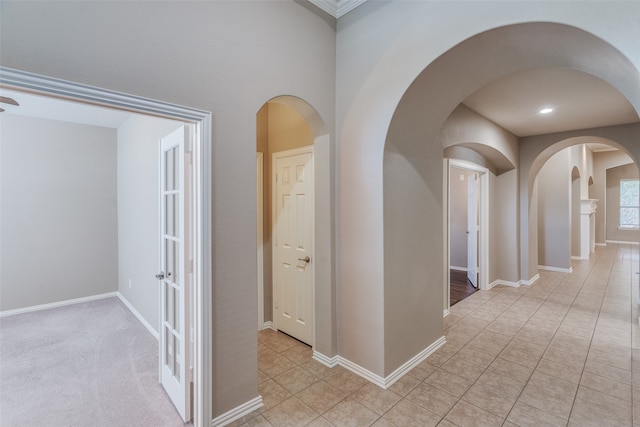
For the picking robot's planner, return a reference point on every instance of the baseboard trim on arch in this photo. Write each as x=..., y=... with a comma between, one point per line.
x=504, y=283
x=621, y=242
x=237, y=412
x=530, y=281
x=383, y=382
x=555, y=269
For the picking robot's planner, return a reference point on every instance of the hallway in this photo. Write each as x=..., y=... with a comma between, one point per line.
x=560, y=352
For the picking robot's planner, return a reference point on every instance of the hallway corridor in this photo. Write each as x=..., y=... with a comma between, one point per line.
x=563, y=351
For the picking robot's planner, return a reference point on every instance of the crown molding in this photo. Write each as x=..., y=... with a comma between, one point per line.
x=337, y=8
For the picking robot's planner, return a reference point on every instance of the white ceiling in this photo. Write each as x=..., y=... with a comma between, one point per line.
x=337, y=8
x=32, y=105
x=579, y=100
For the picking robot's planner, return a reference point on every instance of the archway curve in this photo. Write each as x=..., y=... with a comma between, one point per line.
x=412, y=160
x=324, y=341
x=487, y=156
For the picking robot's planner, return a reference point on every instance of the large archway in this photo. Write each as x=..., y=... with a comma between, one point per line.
x=412, y=164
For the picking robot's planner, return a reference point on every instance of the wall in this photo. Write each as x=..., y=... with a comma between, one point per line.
x=227, y=57
x=280, y=128
x=58, y=211
x=614, y=175
x=554, y=212
x=503, y=226
x=602, y=161
x=138, y=212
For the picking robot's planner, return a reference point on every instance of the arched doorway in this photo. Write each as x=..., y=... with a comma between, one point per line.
x=289, y=123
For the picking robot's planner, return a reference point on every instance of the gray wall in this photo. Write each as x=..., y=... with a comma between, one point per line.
x=503, y=227
x=614, y=175
x=554, y=212
x=227, y=57
x=602, y=161
x=58, y=211
x=138, y=220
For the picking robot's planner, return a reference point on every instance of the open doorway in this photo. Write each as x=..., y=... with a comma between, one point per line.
x=468, y=230
x=197, y=325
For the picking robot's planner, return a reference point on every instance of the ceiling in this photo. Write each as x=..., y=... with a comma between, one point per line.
x=579, y=100
x=337, y=8
x=44, y=107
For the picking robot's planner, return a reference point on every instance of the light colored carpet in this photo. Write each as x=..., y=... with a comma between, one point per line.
x=89, y=364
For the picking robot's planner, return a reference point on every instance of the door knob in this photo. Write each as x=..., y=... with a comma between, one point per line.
x=305, y=259
x=160, y=276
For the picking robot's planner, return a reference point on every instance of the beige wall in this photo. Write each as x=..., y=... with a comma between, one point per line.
x=58, y=211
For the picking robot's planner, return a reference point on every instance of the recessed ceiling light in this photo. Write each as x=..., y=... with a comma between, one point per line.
x=546, y=110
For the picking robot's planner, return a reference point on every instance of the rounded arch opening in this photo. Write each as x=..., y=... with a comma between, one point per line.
x=412, y=156
x=288, y=124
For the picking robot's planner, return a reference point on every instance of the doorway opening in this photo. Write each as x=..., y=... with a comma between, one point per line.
x=200, y=205
x=467, y=225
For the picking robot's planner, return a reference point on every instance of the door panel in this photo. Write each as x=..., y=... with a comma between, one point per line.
x=174, y=313
x=293, y=243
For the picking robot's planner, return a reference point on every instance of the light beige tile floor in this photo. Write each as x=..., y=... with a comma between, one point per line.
x=564, y=351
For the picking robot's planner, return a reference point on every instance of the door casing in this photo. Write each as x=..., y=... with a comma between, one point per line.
x=483, y=221
x=201, y=205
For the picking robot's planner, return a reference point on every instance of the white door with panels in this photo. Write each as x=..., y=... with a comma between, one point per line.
x=175, y=370
x=293, y=208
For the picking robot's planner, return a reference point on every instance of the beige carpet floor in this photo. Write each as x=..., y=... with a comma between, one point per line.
x=88, y=364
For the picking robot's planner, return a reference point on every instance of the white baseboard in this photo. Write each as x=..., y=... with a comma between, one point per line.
x=601, y=244
x=621, y=242
x=454, y=267
x=268, y=325
x=136, y=313
x=237, y=412
x=325, y=360
x=374, y=378
x=445, y=312
x=56, y=304
x=415, y=361
x=530, y=281
x=578, y=258
x=555, y=269
x=504, y=283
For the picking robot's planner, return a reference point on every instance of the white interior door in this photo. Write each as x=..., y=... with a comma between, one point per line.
x=293, y=242
x=472, y=230
x=175, y=372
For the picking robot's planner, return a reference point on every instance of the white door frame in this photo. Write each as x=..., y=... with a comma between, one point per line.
x=57, y=88
x=483, y=220
x=274, y=157
x=260, y=235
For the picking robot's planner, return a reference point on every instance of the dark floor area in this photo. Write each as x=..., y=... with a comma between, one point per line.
x=460, y=286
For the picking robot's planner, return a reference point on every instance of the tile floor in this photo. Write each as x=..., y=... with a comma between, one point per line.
x=564, y=351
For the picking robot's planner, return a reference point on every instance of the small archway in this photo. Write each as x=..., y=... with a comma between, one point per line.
x=283, y=123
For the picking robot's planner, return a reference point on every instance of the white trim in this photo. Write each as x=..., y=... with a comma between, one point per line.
x=260, y=235
x=326, y=360
x=138, y=316
x=555, y=269
x=237, y=412
x=337, y=8
x=577, y=258
x=56, y=304
x=377, y=379
x=455, y=267
x=412, y=363
x=504, y=283
x=446, y=312
x=268, y=325
x=530, y=281
x=601, y=244
x=621, y=242
x=49, y=86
